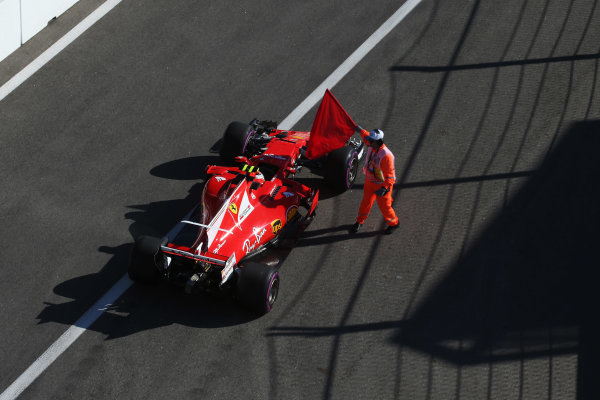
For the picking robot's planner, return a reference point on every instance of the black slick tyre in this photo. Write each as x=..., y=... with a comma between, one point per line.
x=146, y=260
x=258, y=287
x=235, y=141
x=341, y=168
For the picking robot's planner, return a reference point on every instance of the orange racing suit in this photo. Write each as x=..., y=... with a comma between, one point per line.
x=379, y=172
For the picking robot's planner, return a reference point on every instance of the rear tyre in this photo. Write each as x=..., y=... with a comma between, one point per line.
x=341, y=168
x=146, y=261
x=258, y=287
x=235, y=141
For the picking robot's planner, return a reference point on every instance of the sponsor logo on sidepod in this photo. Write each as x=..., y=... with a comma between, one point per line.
x=258, y=234
x=276, y=226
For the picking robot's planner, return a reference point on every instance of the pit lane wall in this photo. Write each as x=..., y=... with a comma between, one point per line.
x=20, y=20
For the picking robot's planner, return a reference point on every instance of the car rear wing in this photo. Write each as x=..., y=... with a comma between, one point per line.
x=208, y=257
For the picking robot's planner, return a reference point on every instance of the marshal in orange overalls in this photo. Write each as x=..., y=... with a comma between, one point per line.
x=380, y=173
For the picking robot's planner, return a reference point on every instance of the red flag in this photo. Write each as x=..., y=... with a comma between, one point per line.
x=331, y=128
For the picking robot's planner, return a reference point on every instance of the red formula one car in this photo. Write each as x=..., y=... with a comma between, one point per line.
x=246, y=209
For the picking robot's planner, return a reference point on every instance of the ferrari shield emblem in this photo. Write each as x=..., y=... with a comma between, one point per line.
x=233, y=208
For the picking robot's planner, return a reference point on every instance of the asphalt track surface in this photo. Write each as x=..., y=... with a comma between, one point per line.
x=487, y=290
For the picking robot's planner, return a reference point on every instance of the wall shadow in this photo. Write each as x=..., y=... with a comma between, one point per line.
x=498, y=64
x=528, y=286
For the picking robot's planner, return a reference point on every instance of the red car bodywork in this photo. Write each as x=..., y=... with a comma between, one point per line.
x=245, y=207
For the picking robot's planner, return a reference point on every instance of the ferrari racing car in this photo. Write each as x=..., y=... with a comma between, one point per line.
x=248, y=205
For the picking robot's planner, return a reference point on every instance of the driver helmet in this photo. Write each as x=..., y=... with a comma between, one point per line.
x=375, y=134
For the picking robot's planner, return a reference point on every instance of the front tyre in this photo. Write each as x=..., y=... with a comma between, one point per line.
x=341, y=168
x=258, y=287
x=235, y=141
x=146, y=260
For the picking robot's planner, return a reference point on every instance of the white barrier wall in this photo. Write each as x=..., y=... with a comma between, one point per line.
x=10, y=27
x=20, y=20
x=35, y=15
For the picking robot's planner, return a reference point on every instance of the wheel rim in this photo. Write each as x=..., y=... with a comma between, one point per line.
x=352, y=171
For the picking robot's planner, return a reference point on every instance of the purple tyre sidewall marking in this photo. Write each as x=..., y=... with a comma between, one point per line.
x=349, y=170
x=275, y=275
x=246, y=142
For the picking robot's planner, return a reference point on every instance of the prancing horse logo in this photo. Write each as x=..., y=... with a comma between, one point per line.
x=233, y=208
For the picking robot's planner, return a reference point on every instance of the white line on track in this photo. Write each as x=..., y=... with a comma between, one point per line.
x=56, y=48
x=347, y=65
x=69, y=337
x=66, y=340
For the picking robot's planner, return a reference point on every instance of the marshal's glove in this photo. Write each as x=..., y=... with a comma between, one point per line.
x=381, y=192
